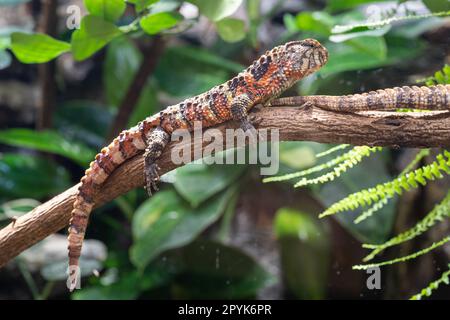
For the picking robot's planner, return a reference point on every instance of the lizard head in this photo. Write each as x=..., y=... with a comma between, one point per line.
x=301, y=58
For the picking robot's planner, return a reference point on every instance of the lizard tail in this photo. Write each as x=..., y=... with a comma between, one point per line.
x=125, y=146
x=433, y=97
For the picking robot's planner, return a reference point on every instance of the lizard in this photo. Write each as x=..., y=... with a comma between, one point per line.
x=433, y=97
x=266, y=78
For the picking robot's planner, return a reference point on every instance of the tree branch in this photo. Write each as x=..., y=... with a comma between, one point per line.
x=428, y=129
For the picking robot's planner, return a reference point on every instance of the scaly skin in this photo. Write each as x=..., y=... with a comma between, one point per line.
x=433, y=97
x=266, y=78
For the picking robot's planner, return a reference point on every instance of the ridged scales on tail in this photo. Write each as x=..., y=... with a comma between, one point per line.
x=433, y=97
x=274, y=72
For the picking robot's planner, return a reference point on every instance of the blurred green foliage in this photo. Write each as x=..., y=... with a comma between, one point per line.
x=175, y=243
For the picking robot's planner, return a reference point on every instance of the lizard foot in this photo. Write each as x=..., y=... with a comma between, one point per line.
x=151, y=178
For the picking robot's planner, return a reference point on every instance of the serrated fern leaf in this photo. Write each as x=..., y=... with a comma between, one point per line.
x=380, y=204
x=332, y=150
x=439, y=213
x=419, y=156
x=405, y=258
x=384, y=22
x=445, y=278
x=402, y=183
x=355, y=152
x=376, y=207
x=355, y=156
x=440, y=77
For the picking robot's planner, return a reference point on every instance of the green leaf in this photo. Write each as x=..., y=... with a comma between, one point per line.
x=122, y=62
x=318, y=22
x=212, y=270
x=292, y=223
x=218, y=9
x=437, y=5
x=157, y=22
x=305, y=253
x=23, y=175
x=337, y=5
x=5, y=59
x=110, y=10
x=378, y=32
x=177, y=66
x=127, y=288
x=74, y=119
x=198, y=182
x=49, y=141
x=297, y=155
x=94, y=34
x=230, y=29
x=377, y=228
x=165, y=222
x=142, y=4
x=369, y=52
x=37, y=47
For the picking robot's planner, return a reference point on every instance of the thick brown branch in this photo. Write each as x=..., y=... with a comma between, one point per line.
x=430, y=129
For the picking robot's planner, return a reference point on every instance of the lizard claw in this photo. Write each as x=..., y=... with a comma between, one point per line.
x=151, y=178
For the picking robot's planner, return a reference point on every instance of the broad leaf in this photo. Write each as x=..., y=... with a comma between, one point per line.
x=211, y=270
x=142, y=4
x=37, y=47
x=231, y=30
x=110, y=10
x=198, y=182
x=49, y=141
x=122, y=62
x=218, y=9
x=157, y=22
x=317, y=22
x=74, y=119
x=176, y=68
x=31, y=176
x=304, y=253
x=166, y=222
x=94, y=34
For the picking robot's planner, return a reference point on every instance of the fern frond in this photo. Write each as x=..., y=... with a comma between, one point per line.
x=376, y=207
x=439, y=213
x=381, y=23
x=354, y=157
x=380, y=204
x=327, y=165
x=445, y=278
x=332, y=150
x=405, y=258
x=419, y=156
x=402, y=183
x=440, y=77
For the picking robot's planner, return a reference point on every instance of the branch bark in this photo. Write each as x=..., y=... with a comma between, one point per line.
x=428, y=129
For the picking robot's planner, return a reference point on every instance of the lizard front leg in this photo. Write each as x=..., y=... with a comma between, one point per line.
x=156, y=143
x=239, y=107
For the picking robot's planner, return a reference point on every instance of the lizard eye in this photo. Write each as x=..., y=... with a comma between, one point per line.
x=308, y=45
